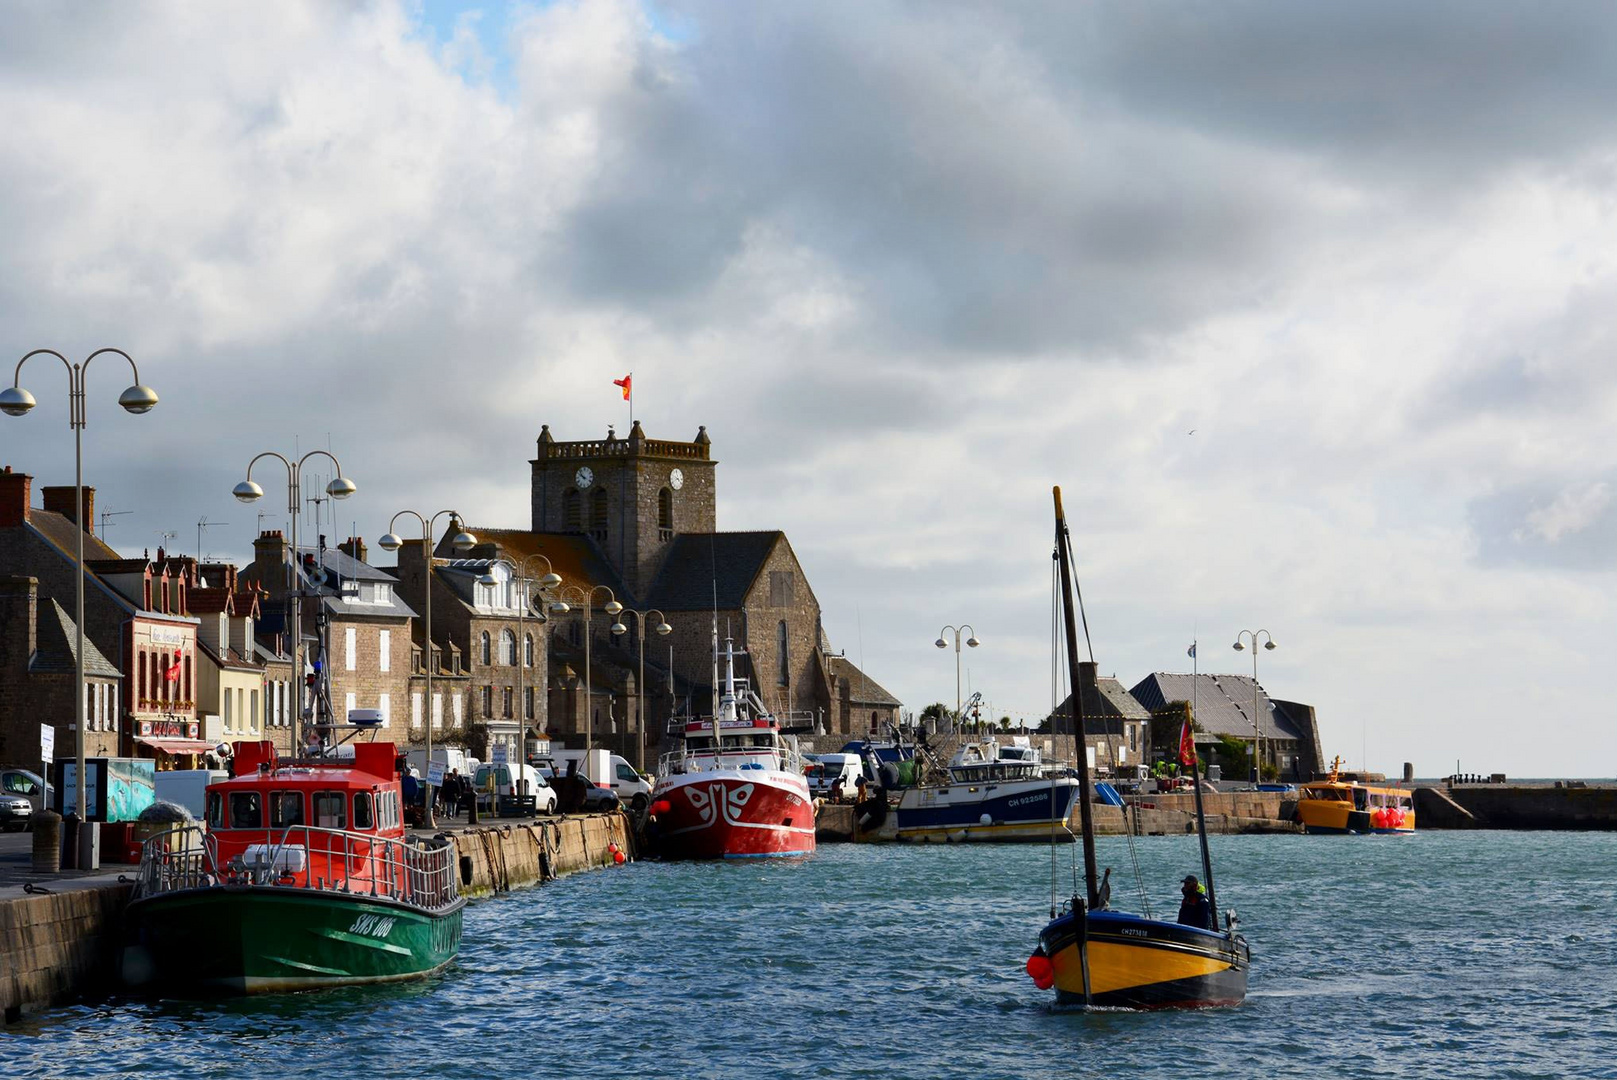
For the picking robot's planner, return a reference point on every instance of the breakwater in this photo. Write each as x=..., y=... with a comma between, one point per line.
x=1562, y=806
x=65, y=944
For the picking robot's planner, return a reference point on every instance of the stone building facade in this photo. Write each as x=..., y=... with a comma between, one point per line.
x=37, y=676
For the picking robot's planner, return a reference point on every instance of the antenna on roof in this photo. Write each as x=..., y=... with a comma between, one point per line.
x=204, y=523
x=105, y=514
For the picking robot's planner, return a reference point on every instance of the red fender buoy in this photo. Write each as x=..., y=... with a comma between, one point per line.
x=1042, y=972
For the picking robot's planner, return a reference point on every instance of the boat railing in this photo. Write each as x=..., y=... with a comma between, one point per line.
x=679, y=762
x=421, y=874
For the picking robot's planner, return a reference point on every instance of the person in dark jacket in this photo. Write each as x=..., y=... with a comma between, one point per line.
x=1194, y=910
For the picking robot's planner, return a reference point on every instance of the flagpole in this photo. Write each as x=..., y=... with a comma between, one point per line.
x=628, y=395
x=1196, y=786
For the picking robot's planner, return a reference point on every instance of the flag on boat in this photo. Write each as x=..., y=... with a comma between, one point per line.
x=172, y=674
x=625, y=383
x=1187, y=745
x=1191, y=652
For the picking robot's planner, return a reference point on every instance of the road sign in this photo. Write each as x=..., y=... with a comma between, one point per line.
x=47, y=743
x=502, y=754
x=435, y=774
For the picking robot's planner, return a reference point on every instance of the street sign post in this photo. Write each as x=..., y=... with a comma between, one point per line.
x=502, y=754
x=435, y=774
x=47, y=743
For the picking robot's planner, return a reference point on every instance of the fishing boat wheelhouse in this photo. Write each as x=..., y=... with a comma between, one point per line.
x=305, y=877
x=1341, y=804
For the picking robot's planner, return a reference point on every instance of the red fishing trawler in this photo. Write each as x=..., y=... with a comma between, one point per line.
x=735, y=790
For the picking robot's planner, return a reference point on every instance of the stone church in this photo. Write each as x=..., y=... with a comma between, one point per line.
x=634, y=519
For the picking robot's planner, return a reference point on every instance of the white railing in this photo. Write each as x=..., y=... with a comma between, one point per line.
x=679, y=762
x=421, y=874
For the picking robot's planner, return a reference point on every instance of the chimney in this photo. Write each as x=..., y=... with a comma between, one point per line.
x=354, y=548
x=16, y=491
x=59, y=500
x=19, y=620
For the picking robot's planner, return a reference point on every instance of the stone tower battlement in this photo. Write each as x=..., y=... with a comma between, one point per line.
x=631, y=494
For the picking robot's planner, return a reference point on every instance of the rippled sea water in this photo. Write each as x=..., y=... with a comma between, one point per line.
x=1469, y=954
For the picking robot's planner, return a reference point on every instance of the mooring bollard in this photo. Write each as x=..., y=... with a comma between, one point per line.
x=47, y=842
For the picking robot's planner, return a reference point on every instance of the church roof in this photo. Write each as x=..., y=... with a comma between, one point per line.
x=862, y=689
x=707, y=570
x=57, y=635
x=572, y=555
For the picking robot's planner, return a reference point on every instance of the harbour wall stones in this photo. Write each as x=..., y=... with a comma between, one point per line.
x=499, y=858
x=1518, y=806
x=59, y=945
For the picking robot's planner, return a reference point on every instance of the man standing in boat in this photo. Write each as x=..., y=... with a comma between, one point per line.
x=1194, y=910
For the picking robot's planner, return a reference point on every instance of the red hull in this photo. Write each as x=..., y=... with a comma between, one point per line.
x=735, y=814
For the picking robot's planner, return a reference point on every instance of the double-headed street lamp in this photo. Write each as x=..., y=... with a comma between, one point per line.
x=943, y=643
x=16, y=401
x=662, y=627
x=524, y=604
x=247, y=491
x=462, y=541
x=1257, y=737
x=586, y=597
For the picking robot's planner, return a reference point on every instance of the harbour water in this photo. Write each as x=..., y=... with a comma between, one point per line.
x=1438, y=954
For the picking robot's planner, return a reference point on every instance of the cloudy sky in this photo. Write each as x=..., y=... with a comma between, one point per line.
x=1306, y=307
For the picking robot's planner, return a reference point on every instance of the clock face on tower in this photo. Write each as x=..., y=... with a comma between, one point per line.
x=676, y=479
x=584, y=477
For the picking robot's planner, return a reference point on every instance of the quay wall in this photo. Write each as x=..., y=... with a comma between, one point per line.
x=56, y=946
x=1517, y=806
x=499, y=858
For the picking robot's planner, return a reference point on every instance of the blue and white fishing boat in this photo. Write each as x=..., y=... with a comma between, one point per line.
x=990, y=791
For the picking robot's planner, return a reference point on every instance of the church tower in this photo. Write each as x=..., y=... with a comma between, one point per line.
x=632, y=496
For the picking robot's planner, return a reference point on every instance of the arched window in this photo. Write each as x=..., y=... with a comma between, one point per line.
x=570, y=514
x=488, y=649
x=508, y=648
x=780, y=648
x=527, y=651
x=665, y=514
x=598, y=514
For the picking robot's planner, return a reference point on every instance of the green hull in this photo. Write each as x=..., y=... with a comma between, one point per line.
x=262, y=939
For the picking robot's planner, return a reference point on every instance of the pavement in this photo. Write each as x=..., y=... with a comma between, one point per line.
x=17, y=870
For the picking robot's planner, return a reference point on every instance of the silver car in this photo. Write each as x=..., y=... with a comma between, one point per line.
x=22, y=794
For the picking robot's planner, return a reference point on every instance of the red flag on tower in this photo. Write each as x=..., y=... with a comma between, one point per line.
x=625, y=383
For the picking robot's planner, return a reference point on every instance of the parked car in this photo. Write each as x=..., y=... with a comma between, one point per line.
x=596, y=799
x=22, y=795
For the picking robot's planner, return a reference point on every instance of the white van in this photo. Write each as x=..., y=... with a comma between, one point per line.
x=838, y=776
x=186, y=787
x=453, y=759
x=500, y=780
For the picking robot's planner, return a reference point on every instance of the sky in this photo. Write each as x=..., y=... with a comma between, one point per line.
x=1307, y=308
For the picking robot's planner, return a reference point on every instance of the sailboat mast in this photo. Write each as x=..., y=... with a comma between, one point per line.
x=1196, y=786
x=1085, y=813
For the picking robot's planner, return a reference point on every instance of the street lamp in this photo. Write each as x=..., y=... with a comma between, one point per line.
x=247, y=491
x=16, y=401
x=549, y=581
x=662, y=627
x=611, y=607
x=1257, y=737
x=943, y=643
x=462, y=541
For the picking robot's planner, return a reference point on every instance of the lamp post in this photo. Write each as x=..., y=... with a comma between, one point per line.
x=16, y=401
x=549, y=581
x=1257, y=728
x=248, y=491
x=663, y=628
x=943, y=643
x=611, y=607
x=463, y=541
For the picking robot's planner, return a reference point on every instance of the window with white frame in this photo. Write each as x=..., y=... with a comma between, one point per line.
x=415, y=708
x=385, y=644
x=384, y=705
x=350, y=638
x=437, y=710
x=348, y=704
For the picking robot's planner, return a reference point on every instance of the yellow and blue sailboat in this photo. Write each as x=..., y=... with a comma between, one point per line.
x=1095, y=957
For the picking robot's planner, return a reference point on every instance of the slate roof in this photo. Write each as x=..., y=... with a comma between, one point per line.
x=862, y=689
x=55, y=653
x=697, y=564
x=1106, y=705
x=59, y=531
x=1223, y=703
x=572, y=555
x=348, y=568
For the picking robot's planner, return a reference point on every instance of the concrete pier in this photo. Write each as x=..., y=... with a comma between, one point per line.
x=1517, y=806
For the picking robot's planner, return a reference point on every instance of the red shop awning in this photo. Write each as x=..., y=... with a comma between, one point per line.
x=176, y=746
